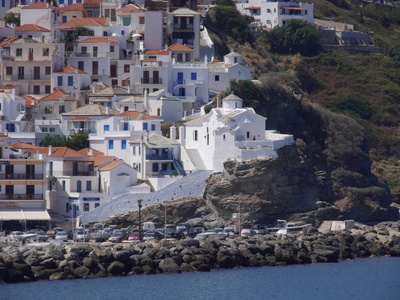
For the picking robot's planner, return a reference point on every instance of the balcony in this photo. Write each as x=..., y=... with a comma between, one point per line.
x=78, y=173
x=21, y=176
x=26, y=77
x=21, y=197
x=151, y=80
x=187, y=27
x=164, y=156
x=151, y=63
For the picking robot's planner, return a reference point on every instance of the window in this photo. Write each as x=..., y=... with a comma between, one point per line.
x=79, y=186
x=126, y=126
x=44, y=129
x=134, y=150
x=9, y=70
x=21, y=72
x=141, y=20
x=111, y=144
x=47, y=70
x=70, y=81
x=66, y=207
x=51, y=168
x=248, y=134
x=47, y=89
x=126, y=68
x=18, y=52
x=195, y=135
x=111, y=49
x=114, y=82
x=216, y=77
x=88, y=185
x=193, y=76
x=145, y=126
x=123, y=144
x=106, y=127
x=139, y=154
x=63, y=185
x=52, y=129
x=46, y=51
x=95, y=67
x=153, y=127
x=59, y=81
x=85, y=206
x=83, y=50
x=81, y=65
x=36, y=89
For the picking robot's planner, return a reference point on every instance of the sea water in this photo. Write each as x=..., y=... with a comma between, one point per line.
x=372, y=278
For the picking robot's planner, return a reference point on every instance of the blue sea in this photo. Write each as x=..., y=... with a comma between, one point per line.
x=372, y=278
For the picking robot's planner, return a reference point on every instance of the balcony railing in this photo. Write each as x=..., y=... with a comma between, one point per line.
x=151, y=80
x=78, y=173
x=26, y=77
x=21, y=197
x=188, y=27
x=21, y=176
x=159, y=156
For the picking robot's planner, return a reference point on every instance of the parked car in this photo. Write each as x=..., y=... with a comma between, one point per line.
x=246, y=232
x=118, y=236
x=41, y=236
x=61, y=236
x=69, y=233
x=194, y=231
x=81, y=236
x=228, y=232
x=51, y=233
x=153, y=235
x=134, y=236
x=15, y=235
x=169, y=229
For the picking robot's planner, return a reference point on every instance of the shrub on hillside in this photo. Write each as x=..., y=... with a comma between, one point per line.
x=353, y=105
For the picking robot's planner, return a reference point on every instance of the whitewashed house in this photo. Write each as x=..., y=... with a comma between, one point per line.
x=227, y=132
x=113, y=134
x=221, y=73
x=70, y=80
x=271, y=14
x=96, y=26
x=35, y=32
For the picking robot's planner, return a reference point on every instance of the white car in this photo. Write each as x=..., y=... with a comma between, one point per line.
x=61, y=236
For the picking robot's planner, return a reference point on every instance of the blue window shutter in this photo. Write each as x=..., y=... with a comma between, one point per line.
x=123, y=144
x=111, y=144
x=106, y=127
x=193, y=76
x=126, y=126
x=60, y=81
x=70, y=81
x=145, y=126
x=153, y=127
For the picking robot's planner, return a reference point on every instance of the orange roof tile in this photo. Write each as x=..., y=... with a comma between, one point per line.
x=58, y=152
x=31, y=27
x=135, y=115
x=177, y=47
x=71, y=70
x=80, y=119
x=101, y=159
x=40, y=5
x=85, y=22
x=86, y=2
x=111, y=166
x=125, y=14
x=21, y=145
x=95, y=152
x=54, y=96
x=2, y=134
x=149, y=60
x=5, y=41
x=73, y=7
x=157, y=52
x=129, y=7
x=99, y=40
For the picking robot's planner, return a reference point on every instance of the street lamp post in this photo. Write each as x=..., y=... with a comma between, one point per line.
x=240, y=220
x=165, y=220
x=140, y=222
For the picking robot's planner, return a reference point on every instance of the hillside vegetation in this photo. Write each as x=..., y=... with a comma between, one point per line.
x=365, y=88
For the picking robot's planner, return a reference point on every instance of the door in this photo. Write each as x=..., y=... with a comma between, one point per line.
x=21, y=72
x=9, y=171
x=183, y=23
x=30, y=191
x=36, y=72
x=30, y=171
x=95, y=49
x=79, y=186
x=30, y=54
x=155, y=77
x=113, y=70
x=182, y=92
x=180, y=78
x=155, y=167
x=9, y=191
x=95, y=68
x=146, y=77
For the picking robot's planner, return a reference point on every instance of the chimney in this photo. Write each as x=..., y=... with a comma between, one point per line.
x=172, y=132
x=147, y=135
x=107, y=110
x=219, y=100
x=93, y=89
x=50, y=150
x=129, y=89
x=182, y=135
x=13, y=93
x=90, y=152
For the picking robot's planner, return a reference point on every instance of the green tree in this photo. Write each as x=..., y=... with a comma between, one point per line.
x=225, y=3
x=295, y=37
x=71, y=38
x=79, y=141
x=12, y=19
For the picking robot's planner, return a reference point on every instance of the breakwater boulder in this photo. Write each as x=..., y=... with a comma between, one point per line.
x=90, y=260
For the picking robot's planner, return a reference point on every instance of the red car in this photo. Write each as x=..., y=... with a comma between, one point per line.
x=134, y=236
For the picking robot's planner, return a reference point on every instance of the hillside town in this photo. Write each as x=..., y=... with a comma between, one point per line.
x=117, y=71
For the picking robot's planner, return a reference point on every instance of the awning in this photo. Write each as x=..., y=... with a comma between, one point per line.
x=11, y=215
x=36, y=214
x=24, y=214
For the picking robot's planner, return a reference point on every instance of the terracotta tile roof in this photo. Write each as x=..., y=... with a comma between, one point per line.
x=129, y=7
x=80, y=119
x=111, y=166
x=125, y=14
x=2, y=134
x=157, y=52
x=59, y=152
x=99, y=40
x=101, y=159
x=85, y=22
x=40, y=5
x=73, y=7
x=95, y=152
x=70, y=70
x=21, y=145
x=86, y=2
x=135, y=115
x=8, y=40
x=177, y=47
x=28, y=102
x=31, y=27
x=149, y=60
x=7, y=87
x=54, y=96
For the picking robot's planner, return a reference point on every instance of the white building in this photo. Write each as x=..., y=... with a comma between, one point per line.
x=271, y=14
x=113, y=134
x=221, y=73
x=70, y=80
x=228, y=132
